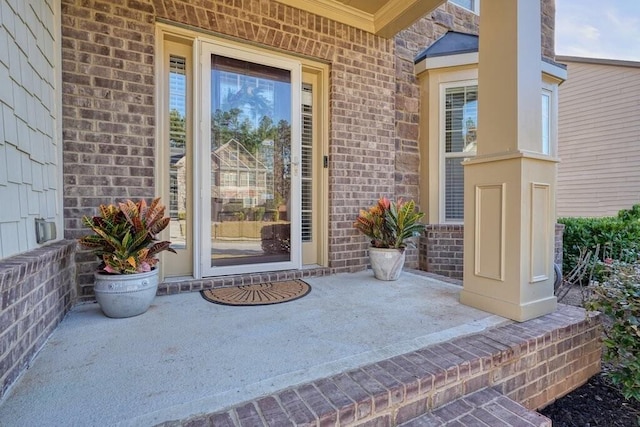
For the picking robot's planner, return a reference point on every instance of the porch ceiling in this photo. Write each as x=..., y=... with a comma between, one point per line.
x=381, y=17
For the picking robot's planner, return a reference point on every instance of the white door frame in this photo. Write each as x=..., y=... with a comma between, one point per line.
x=202, y=205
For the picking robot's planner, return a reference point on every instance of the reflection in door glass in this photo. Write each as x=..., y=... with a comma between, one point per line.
x=178, y=151
x=250, y=163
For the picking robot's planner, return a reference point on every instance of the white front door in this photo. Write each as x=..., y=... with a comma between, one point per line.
x=249, y=161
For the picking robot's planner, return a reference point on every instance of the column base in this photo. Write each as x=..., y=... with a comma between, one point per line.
x=514, y=311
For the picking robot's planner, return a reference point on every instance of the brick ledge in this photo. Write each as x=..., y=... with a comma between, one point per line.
x=532, y=363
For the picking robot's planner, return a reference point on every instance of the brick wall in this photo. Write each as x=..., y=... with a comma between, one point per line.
x=548, y=17
x=109, y=145
x=30, y=161
x=109, y=100
x=441, y=249
x=36, y=289
x=408, y=44
x=108, y=110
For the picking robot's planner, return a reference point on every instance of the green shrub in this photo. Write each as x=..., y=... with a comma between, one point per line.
x=232, y=207
x=632, y=214
x=258, y=213
x=618, y=297
x=272, y=215
x=616, y=237
x=233, y=211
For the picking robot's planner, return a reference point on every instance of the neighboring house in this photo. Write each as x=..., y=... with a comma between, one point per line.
x=599, y=137
x=242, y=176
x=102, y=99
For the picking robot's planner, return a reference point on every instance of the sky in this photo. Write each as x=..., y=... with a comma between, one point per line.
x=608, y=29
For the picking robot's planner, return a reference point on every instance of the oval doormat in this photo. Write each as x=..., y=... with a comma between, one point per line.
x=258, y=294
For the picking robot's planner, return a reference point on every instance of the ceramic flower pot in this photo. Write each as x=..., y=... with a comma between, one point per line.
x=125, y=295
x=386, y=263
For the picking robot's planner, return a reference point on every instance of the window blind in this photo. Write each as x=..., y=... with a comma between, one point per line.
x=460, y=129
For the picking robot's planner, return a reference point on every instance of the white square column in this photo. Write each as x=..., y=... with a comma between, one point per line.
x=509, y=195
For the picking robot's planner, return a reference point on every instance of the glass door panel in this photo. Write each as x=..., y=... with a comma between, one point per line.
x=178, y=151
x=177, y=155
x=252, y=178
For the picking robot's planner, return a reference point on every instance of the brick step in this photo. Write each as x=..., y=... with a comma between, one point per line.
x=485, y=407
x=476, y=376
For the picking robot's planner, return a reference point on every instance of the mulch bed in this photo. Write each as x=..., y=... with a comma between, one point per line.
x=596, y=403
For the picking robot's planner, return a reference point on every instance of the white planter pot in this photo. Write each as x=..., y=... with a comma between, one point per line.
x=386, y=263
x=125, y=295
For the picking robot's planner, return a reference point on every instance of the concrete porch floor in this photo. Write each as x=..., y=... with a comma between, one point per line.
x=187, y=356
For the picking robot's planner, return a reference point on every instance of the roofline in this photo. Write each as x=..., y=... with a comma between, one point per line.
x=423, y=54
x=548, y=66
x=601, y=61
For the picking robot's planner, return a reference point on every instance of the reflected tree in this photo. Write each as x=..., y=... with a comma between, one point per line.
x=177, y=129
x=282, y=159
x=226, y=125
x=248, y=99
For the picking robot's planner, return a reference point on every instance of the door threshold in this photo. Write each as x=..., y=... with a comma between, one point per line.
x=175, y=285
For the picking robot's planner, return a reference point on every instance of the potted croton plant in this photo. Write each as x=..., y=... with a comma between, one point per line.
x=389, y=224
x=125, y=240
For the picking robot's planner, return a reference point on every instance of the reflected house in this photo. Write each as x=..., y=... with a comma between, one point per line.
x=178, y=184
x=239, y=180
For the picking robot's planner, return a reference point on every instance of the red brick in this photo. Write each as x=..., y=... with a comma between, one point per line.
x=356, y=393
x=477, y=382
x=443, y=396
x=374, y=388
x=323, y=410
x=412, y=410
x=248, y=415
x=222, y=420
x=395, y=387
x=345, y=406
x=296, y=409
x=410, y=383
x=433, y=376
x=39, y=281
x=383, y=421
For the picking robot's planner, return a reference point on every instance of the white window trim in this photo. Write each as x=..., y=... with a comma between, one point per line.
x=546, y=148
x=457, y=69
x=476, y=6
x=551, y=89
x=442, y=154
